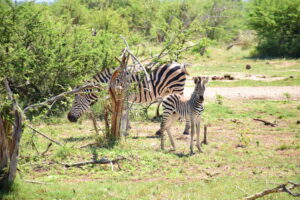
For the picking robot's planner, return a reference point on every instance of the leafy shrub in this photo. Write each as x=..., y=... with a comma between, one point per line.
x=277, y=25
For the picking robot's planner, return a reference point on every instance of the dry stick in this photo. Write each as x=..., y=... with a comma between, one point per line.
x=266, y=122
x=280, y=188
x=36, y=182
x=101, y=161
x=45, y=136
x=48, y=147
x=137, y=60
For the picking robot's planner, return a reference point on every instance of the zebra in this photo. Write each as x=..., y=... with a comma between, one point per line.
x=165, y=80
x=176, y=106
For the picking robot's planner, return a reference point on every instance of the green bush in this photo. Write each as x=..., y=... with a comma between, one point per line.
x=42, y=55
x=277, y=23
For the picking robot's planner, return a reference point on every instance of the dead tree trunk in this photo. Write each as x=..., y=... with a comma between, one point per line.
x=117, y=91
x=10, y=135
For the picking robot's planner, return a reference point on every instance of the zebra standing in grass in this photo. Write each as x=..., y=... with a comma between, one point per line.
x=165, y=80
x=176, y=106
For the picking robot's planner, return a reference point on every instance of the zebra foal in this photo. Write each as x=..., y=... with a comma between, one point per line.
x=176, y=106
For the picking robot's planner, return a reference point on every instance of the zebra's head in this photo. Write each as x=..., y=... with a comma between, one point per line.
x=200, y=83
x=82, y=103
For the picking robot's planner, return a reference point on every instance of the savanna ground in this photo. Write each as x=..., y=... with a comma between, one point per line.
x=243, y=156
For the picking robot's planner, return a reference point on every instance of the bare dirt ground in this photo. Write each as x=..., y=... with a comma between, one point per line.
x=271, y=92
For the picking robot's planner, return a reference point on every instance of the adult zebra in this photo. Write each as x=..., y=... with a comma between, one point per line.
x=165, y=80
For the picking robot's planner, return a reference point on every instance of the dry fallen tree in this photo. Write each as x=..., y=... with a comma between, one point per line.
x=287, y=187
x=9, y=141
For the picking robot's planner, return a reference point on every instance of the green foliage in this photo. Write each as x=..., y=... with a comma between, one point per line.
x=277, y=25
x=288, y=147
x=219, y=99
x=287, y=96
x=42, y=54
x=243, y=136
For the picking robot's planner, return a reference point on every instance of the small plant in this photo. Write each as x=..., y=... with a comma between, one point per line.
x=219, y=99
x=244, y=138
x=63, y=152
x=287, y=96
x=288, y=146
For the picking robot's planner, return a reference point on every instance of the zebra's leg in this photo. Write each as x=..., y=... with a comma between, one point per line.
x=171, y=139
x=198, y=135
x=187, y=128
x=192, y=136
x=173, y=118
x=162, y=140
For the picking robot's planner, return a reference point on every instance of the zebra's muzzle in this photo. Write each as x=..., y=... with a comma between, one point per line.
x=72, y=118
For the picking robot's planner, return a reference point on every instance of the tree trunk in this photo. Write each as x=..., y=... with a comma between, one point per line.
x=9, y=148
x=117, y=91
x=9, y=142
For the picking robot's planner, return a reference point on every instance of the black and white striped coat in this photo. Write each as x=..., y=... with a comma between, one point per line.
x=176, y=106
x=165, y=80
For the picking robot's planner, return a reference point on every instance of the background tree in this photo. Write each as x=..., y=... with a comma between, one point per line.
x=277, y=24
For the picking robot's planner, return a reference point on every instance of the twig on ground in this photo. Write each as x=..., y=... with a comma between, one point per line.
x=45, y=136
x=36, y=182
x=101, y=161
x=34, y=146
x=287, y=187
x=266, y=122
x=87, y=145
x=48, y=147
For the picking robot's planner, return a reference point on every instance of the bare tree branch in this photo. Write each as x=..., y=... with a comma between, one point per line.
x=287, y=187
x=45, y=136
x=137, y=60
x=57, y=97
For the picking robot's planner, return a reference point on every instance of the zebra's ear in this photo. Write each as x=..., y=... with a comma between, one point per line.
x=197, y=79
x=205, y=80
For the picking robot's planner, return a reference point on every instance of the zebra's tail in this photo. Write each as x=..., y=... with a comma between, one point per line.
x=183, y=68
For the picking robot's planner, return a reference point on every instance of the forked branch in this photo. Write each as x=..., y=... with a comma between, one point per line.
x=287, y=187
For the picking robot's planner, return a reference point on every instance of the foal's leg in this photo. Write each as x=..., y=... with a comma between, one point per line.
x=165, y=124
x=192, y=136
x=198, y=135
x=173, y=118
x=171, y=139
x=187, y=128
x=162, y=140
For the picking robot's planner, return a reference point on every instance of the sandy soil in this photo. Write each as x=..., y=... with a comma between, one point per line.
x=272, y=92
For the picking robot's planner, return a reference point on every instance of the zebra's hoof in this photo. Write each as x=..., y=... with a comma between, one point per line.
x=158, y=133
x=192, y=153
x=186, y=133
